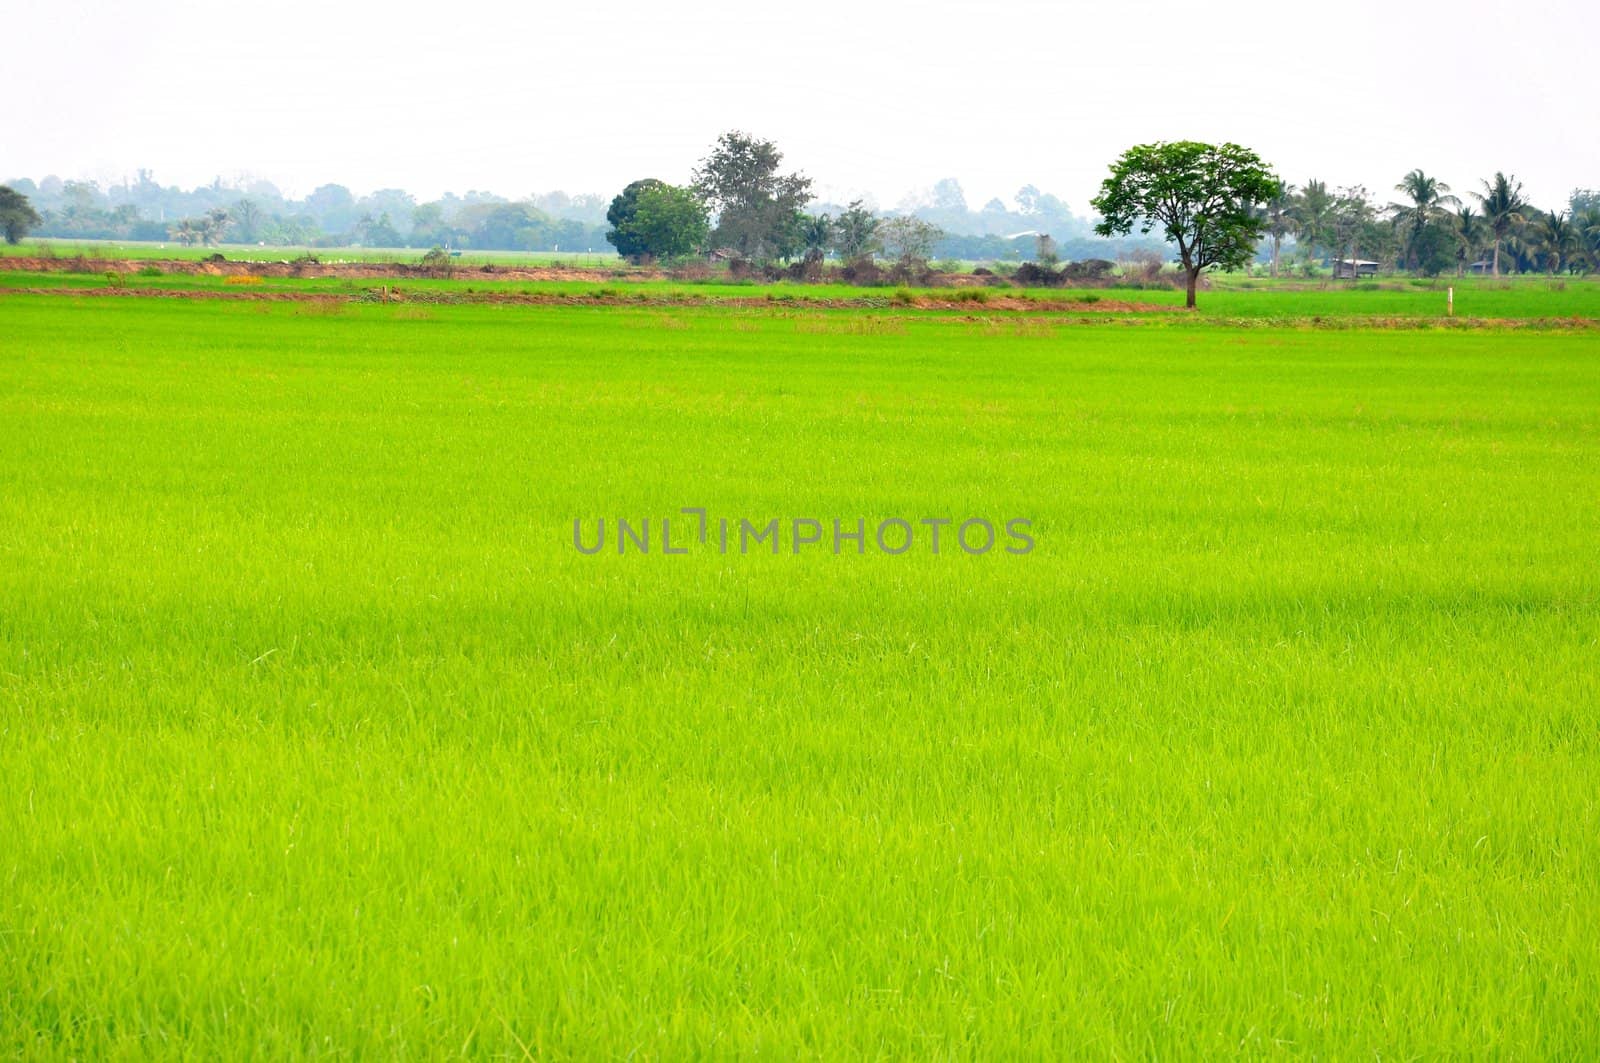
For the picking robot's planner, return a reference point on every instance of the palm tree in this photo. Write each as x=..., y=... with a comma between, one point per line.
x=1469, y=237
x=1588, y=226
x=1556, y=237
x=1313, y=216
x=1503, y=208
x=185, y=232
x=215, y=225
x=1429, y=197
x=1280, y=219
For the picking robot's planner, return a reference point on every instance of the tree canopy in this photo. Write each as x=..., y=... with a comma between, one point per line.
x=652, y=218
x=1205, y=198
x=17, y=216
x=759, y=210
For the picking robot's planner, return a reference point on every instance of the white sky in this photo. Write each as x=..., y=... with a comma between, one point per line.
x=868, y=98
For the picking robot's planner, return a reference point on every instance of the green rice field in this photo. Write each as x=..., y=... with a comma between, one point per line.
x=320, y=737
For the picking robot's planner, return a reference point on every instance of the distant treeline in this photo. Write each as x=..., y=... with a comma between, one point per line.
x=257, y=212
x=331, y=216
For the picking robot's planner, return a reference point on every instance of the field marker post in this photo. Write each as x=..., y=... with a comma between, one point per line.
x=1450, y=302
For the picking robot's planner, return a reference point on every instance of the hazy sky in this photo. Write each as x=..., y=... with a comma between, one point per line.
x=868, y=98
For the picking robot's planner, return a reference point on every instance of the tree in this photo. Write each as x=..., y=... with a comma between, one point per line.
x=214, y=226
x=668, y=221
x=1588, y=226
x=1352, y=224
x=653, y=218
x=818, y=235
x=248, y=215
x=185, y=231
x=759, y=210
x=1503, y=208
x=17, y=215
x=909, y=238
x=620, y=215
x=1204, y=197
x=1556, y=238
x=1280, y=219
x=378, y=232
x=1429, y=198
x=855, y=232
x=1313, y=217
x=1469, y=229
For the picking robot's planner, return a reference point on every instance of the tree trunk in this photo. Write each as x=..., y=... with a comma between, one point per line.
x=1497, y=256
x=1194, y=281
x=1276, y=242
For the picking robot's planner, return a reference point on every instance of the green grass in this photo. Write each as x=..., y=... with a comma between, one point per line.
x=318, y=737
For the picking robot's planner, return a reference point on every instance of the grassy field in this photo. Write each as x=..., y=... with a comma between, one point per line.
x=318, y=736
x=138, y=250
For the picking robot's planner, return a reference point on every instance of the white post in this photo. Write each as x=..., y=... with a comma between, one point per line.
x=1450, y=302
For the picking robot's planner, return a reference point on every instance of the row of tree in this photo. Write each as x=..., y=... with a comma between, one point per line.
x=1430, y=231
x=740, y=203
x=258, y=212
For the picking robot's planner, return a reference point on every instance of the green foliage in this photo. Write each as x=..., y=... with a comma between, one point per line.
x=855, y=232
x=438, y=260
x=1503, y=209
x=1434, y=248
x=908, y=238
x=1428, y=206
x=760, y=212
x=17, y=216
x=620, y=216
x=1205, y=198
x=660, y=221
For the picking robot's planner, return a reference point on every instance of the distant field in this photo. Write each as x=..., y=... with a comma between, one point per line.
x=318, y=737
x=598, y=256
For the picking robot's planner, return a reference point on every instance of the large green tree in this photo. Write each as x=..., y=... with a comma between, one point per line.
x=1205, y=198
x=666, y=221
x=17, y=216
x=759, y=210
x=620, y=216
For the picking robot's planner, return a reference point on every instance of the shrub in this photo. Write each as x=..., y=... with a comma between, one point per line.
x=438, y=262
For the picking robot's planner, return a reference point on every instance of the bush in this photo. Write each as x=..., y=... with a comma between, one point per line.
x=971, y=295
x=438, y=262
x=152, y=271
